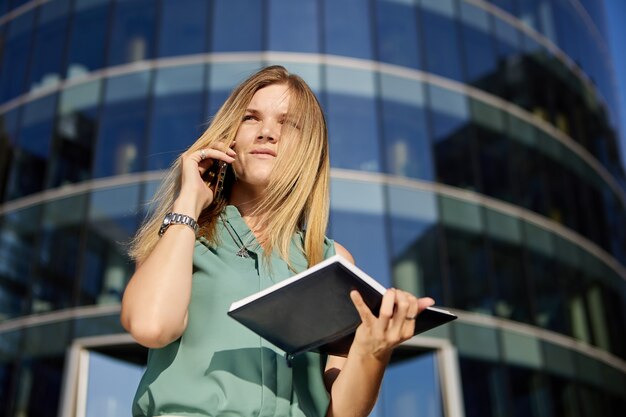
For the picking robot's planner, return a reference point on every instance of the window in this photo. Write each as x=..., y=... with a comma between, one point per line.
x=354, y=39
x=246, y=16
x=17, y=48
x=441, y=36
x=293, y=26
x=132, y=36
x=398, y=35
x=183, y=27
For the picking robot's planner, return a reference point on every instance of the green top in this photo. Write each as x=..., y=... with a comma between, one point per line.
x=218, y=367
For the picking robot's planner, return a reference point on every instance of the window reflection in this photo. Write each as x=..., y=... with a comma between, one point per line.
x=404, y=128
x=177, y=112
x=9, y=346
x=397, y=29
x=33, y=148
x=354, y=39
x=483, y=388
x=8, y=139
x=183, y=27
x=112, y=221
x=88, y=31
x=479, y=55
x=18, y=240
x=75, y=134
x=245, y=15
x=293, y=26
x=352, y=122
x=223, y=78
x=40, y=389
x=132, y=36
x=49, y=45
x=15, y=56
x=61, y=236
x=123, y=125
x=439, y=25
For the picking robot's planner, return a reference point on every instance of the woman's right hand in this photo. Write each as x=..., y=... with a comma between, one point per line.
x=195, y=195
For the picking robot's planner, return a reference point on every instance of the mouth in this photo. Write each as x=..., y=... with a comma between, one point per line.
x=264, y=152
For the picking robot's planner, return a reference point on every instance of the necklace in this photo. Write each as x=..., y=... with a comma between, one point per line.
x=243, y=251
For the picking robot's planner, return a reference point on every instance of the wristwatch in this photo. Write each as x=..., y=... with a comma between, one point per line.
x=177, y=218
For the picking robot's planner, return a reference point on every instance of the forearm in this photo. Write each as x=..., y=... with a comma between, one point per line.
x=155, y=302
x=355, y=390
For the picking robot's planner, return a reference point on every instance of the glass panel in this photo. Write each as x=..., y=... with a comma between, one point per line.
x=484, y=385
x=404, y=128
x=521, y=349
x=123, y=124
x=97, y=326
x=9, y=349
x=113, y=218
x=477, y=342
x=33, y=149
x=293, y=26
x=411, y=387
x=132, y=35
x=415, y=242
x=8, y=139
x=183, y=27
x=49, y=45
x=176, y=120
x=59, y=253
x=39, y=390
x=15, y=58
x=354, y=204
x=111, y=384
x=352, y=121
x=18, y=237
x=397, y=30
x=449, y=117
x=439, y=28
x=245, y=15
x=479, y=55
x=75, y=135
x=528, y=392
x=223, y=78
x=88, y=37
x=341, y=39
x=563, y=397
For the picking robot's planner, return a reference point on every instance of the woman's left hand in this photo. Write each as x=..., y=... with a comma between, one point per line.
x=378, y=336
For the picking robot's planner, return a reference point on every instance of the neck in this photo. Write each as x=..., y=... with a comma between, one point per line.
x=247, y=198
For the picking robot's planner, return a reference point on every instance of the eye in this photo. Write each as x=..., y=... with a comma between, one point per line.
x=248, y=117
x=289, y=122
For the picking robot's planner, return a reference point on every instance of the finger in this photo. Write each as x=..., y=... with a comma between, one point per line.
x=424, y=302
x=386, y=309
x=408, y=329
x=205, y=156
x=398, y=320
x=364, y=311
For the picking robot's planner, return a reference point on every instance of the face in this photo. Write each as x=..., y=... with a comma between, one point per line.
x=257, y=142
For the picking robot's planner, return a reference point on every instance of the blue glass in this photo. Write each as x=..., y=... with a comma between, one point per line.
x=183, y=27
x=484, y=388
x=41, y=397
x=354, y=204
x=122, y=125
x=507, y=39
x=8, y=138
x=59, y=253
x=404, y=128
x=293, y=26
x=177, y=113
x=479, y=55
x=398, y=33
x=449, y=112
x=88, y=30
x=133, y=32
x=352, y=122
x=75, y=134
x=529, y=13
x=223, y=78
x=33, y=148
x=245, y=17
x=354, y=39
x=506, y=5
x=49, y=45
x=439, y=28
x=412, y=387
x=15, y=57
x=113, y=217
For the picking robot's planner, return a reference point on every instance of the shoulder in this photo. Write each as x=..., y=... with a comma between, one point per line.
x=340, y=250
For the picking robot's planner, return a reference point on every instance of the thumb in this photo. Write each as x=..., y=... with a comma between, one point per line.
x=364, y=311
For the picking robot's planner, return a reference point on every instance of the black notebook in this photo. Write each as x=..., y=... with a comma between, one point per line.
x=313, y=310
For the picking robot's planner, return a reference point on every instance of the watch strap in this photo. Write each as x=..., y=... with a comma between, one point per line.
x=177, y=218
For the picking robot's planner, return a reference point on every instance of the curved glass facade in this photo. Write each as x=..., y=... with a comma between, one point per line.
x=476, y=139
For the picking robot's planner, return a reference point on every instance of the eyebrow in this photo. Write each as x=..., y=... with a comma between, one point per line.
x=255, y=111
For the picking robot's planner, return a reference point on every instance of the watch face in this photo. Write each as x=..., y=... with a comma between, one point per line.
x=167, y=220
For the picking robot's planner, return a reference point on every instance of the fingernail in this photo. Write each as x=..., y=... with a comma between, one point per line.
x=231, y=153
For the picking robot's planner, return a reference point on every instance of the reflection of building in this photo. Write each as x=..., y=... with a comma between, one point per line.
x=475, y=140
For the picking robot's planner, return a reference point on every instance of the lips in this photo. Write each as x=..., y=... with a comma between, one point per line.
x=263, y=151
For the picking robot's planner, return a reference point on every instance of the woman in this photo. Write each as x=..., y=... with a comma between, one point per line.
x=266, y=224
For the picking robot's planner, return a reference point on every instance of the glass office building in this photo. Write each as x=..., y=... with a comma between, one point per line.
x=474, y=159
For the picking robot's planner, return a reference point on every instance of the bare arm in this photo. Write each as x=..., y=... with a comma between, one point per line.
x=354, y=382
x=155, y=302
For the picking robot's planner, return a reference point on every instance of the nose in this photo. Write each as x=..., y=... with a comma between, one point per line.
x=270, y=130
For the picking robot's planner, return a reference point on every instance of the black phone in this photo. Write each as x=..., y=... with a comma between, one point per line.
x=214, y=177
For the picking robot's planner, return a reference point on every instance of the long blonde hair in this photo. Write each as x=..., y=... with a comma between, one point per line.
x=297, y=196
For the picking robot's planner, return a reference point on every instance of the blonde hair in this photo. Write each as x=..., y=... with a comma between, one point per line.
x=297, y=196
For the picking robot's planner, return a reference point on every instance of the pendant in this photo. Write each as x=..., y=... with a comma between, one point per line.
x=243, y=252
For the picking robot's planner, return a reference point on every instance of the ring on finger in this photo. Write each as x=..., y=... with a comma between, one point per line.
x=410, y=317
x=202, y=155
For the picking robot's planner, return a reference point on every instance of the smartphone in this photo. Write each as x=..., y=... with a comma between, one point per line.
x=214, y=177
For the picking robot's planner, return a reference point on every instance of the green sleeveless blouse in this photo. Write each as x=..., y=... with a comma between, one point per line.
x=218, y=367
